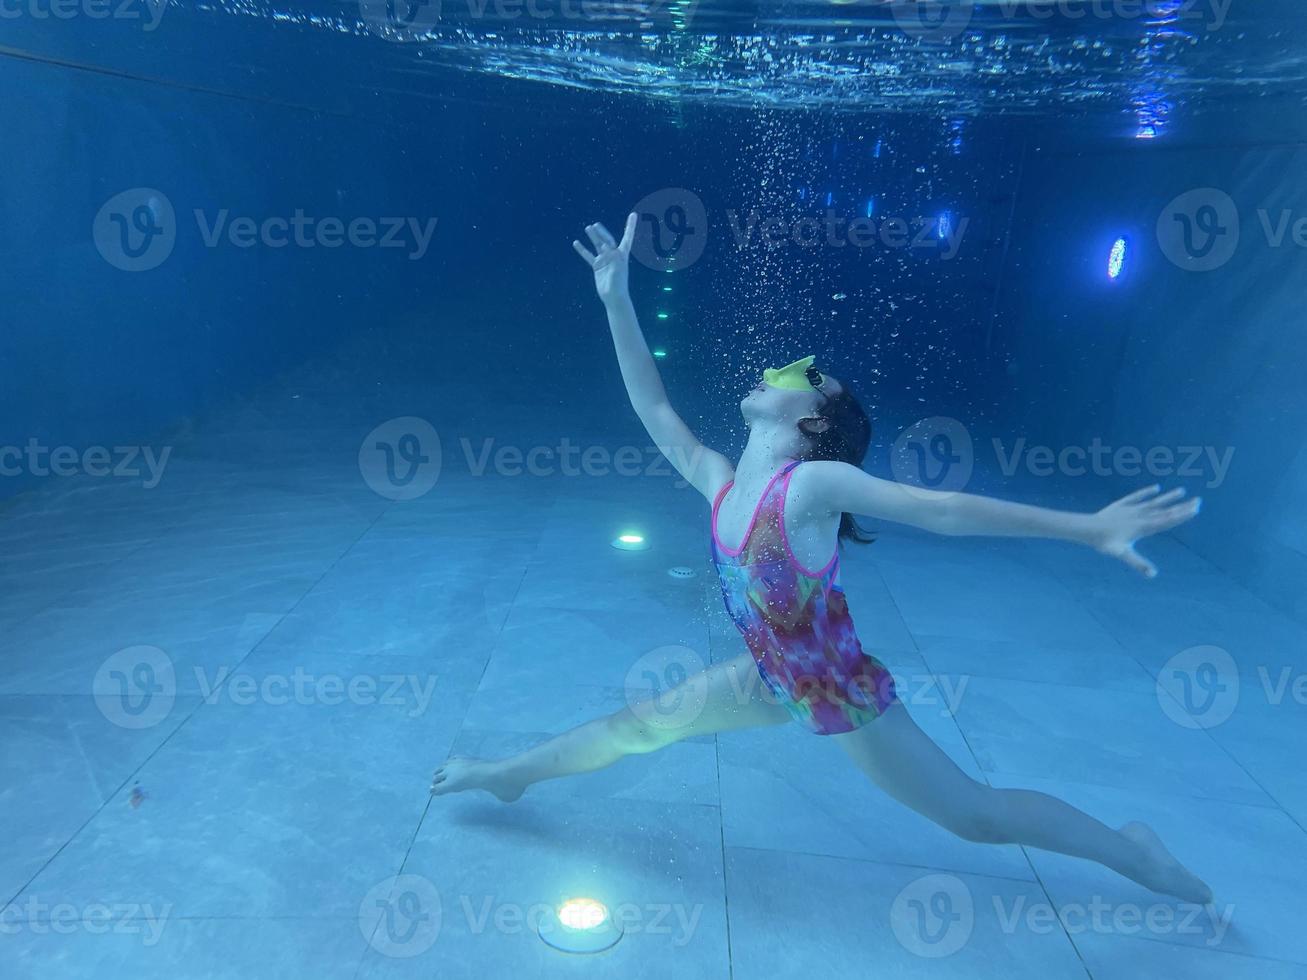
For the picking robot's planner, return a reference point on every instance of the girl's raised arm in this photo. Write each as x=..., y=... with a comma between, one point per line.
x=703, y=468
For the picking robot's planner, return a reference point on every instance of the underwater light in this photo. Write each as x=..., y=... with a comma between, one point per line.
x=630, y=542
x=667, y=289
x=662, y=315
x=659, y=352
x=579, y=925
x=1116, y=260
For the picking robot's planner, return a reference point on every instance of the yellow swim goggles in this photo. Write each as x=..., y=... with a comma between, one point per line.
x=798, y=376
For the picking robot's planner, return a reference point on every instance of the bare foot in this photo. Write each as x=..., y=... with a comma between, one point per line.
x=457, y=775
x=1159, y=870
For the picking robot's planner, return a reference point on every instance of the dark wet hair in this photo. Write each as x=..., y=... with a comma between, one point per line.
x=845, y=440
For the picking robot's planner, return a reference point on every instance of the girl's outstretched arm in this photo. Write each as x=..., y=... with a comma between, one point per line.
x=1112, y=530
x=703, y=468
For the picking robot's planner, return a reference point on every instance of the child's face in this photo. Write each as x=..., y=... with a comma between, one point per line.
x=785, y=405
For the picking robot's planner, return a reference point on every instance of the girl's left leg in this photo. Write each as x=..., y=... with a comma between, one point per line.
x=903, y=761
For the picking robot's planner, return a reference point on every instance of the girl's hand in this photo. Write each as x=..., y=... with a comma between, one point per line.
x=611, y=260
x=1137, y=515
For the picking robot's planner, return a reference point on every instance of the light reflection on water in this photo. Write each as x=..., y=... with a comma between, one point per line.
x=1000, y=56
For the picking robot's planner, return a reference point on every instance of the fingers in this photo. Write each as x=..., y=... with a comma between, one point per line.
x=1166, y=498
x=1141, y=495
x=628, y=234
x=1139, y=563
x=585, y=253
x=1177, y=515
x=600, y=236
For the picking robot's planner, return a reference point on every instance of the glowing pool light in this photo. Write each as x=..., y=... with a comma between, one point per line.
x=1116, y=260
x=579, y=925
x=582, y=913
x=659, y=352
x=630, y=542
x=662, y=315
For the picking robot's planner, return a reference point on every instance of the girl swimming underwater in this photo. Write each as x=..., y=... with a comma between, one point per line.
x=777, y=518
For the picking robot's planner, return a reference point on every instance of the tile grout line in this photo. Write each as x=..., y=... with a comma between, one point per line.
x=426, y=809
x=185, y=721
x=1025, y=854
x=1206, y=731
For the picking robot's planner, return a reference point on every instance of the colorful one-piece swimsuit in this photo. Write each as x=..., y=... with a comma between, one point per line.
x=797, y=624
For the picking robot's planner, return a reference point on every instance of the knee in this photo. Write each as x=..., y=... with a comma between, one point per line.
x=633, y=735
x=981, y=821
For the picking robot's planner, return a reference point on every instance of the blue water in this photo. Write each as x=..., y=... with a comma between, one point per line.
x=313, y=451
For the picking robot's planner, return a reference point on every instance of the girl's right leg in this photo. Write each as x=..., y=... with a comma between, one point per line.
x=732, y=696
